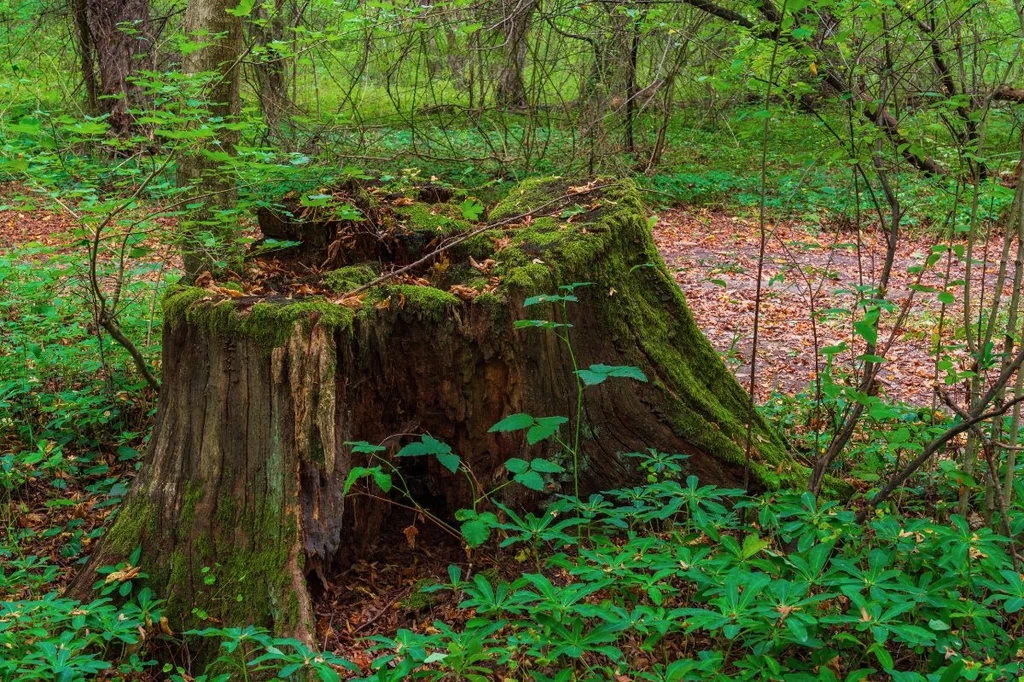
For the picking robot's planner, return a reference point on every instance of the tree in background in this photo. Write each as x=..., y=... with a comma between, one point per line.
x=216, y=29
x=114, y=42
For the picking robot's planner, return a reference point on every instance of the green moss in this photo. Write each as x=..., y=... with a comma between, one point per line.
x=529, y=279
x=349, y=277
x=177, y=301
x=269, y=323
x=193, y=493
x=433, y=218
x=135, y=518
x=419, y=598
x=429, y=302
x=527, y=196
x=706, y=405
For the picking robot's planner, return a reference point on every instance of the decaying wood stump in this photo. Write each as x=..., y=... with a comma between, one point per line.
x=247, y=462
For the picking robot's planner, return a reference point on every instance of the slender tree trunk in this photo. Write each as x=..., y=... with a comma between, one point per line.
x=270, y=68
x=120, y=42
x=86, y=55
x=210, y=22
x=516, y=18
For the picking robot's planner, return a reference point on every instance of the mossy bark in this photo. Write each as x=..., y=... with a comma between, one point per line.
x=247, y=464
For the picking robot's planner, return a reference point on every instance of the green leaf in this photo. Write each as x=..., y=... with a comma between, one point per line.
x=545, y=467
x=752, y=545
x=382, y=479
x=544, y=324
x=549, y=298
x=426, y=445
x=868, y=357
x=315, y=200
x=354, y=475
x=362, y=447
x=475, y=532
x=883, y=656
x=544, y=428
x=243, y=9
x=471, y=209
x=327, y=674
x=530, y=479
x=513, y=422
x=947, y=298
x=866, y=330
x=953, y=672
x=449, y=462
x=516, y=465
x=598, y=373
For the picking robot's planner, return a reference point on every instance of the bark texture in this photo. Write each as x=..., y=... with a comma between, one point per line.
x=210, y=23
x=516, y=17
x=114, y=42
x=246, y=465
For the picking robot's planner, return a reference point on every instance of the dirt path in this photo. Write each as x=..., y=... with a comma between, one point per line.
x=713, y=256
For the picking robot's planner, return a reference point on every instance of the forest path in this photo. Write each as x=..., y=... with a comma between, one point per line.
x=713, y=256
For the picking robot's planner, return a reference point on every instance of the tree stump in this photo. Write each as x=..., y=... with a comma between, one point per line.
x=247, y=463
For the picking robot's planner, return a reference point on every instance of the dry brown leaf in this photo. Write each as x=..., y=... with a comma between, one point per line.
x=123, y=575
x=464, y=292
x=410, y=536
x=485, y=267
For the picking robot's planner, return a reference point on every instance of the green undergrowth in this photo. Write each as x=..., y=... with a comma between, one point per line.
x=670, y=580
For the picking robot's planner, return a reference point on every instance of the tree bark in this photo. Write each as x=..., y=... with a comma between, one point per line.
x=114, y=40
x=270, y=67
x=86, y=55
x=210, y=22
x=247, y=462
x=516, y=17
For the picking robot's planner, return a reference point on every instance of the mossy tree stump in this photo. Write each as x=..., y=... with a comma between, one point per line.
x=247, y=463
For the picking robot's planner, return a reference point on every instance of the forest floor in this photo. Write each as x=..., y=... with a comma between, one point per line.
x=813, y=274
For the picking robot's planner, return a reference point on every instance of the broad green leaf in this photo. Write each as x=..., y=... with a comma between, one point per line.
x=549, y=298
x=426, y=445
x=544, y=428
x=516, y=465
x=596, y=374
x=530, y=479
x=471, y=209
x=449, y=461
x=545, y=467
x=362, y=447
x=513, y=422
x=475, y=532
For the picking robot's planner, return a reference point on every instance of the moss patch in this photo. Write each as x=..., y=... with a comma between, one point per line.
x=433, y=218
x=430, y=303
x=349, y=277
x=269, y=323
x=135, y=518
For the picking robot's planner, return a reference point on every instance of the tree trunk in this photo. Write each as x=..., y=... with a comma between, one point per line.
x=247, y=462
x=516, y=17
x=117, y=45
x=86, y=55
x=270, y=66
x=210, y=22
